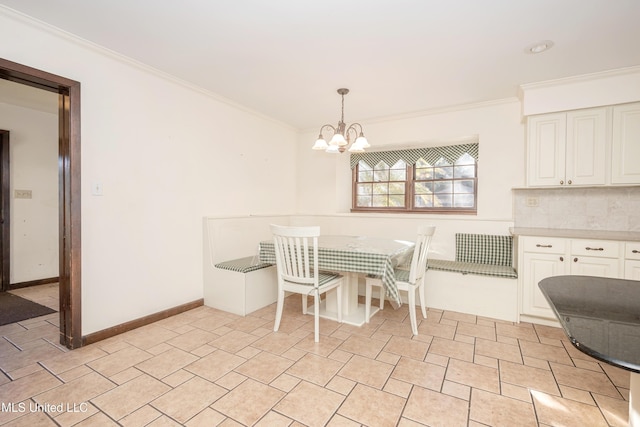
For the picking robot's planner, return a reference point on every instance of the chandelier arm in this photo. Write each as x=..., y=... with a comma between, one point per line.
x=323, y=127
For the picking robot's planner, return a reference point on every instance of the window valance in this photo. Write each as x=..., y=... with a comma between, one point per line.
x=450, y=153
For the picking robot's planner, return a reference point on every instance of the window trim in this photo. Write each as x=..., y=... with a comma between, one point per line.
x=409, y=193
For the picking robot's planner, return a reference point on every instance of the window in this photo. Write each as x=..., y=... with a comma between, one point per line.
x=436, y=179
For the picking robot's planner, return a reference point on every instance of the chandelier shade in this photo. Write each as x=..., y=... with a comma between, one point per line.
x=342, y=135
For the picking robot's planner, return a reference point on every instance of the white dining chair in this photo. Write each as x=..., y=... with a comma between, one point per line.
x=407, y=280
x=297, y=269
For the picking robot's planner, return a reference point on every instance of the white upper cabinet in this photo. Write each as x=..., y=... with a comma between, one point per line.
x=625, y=166
x=569, y=148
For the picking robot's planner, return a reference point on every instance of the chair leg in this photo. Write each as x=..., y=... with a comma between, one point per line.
x=422, y=304
x=316, y=315
x=412, y=310
x=304, y=304
x=367, y=301
x=279, y=307
x=382, y=297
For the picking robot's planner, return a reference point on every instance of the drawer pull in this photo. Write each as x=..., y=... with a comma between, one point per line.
x=635, y=251
x=562, y=258
x=594, y=249
x=575, y=260
x=543, y=246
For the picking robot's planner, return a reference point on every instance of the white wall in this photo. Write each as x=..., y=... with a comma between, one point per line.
x=33, y=157
x=166, y=155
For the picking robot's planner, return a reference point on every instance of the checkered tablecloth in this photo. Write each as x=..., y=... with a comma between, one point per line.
x=357, y=254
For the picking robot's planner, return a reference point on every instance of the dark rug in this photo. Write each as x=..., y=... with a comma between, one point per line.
x=16, y=309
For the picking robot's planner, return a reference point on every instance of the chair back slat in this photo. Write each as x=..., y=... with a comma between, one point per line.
x=421, y=253
x=296, y=251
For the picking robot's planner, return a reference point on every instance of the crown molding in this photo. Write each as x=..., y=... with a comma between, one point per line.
x=582, y=78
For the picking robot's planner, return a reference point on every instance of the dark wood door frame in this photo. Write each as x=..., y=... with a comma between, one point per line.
x=69, y=190
x=5, y=209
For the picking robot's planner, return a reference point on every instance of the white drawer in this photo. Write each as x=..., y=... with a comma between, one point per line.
x=595, y=248
x=632, y=250
x=545, y=245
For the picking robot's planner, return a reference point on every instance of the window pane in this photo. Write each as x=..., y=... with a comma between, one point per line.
x=463, y=186
x=464, y=200
x=381, y=175
x=379, y=201
x=363, y=201
x=396, y=188
x=380, y=188
x=424, y=173
x=464, y=171
x=364, y=189
x=396, y=201
x=398, y=175
x=466, y=159
x=422, y=163
x=443, y=200
x=423, y=188
x=443, y=172
x=423, y=201
x=365, y=176
x=443, y=187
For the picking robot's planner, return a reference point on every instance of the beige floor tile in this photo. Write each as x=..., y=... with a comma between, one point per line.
x=550, y=332
x=206, y=418
x=576, y=394
x=367, y=347
x=452, y=349
x=341, y=385
x=545, y=352
x=315, y=369
x=424, y=374
x=323, y=348
x=372, y=407
x=192, y=339
x=141, y=417
x=127, y=398
x=149, y=336
x=215, y=365
x=407, y=347
x=456, y=390
x=277, y=342
x=460, y=317
x=529, y=377
x=366, y=371
x=521, y=332
x=119, y=361
x=473, y=375
x=584, y=380
x=231, y=380
x=126, y=375
x=436, y=409
x=478, y=331
x=16, y=361
x=500, y=411
x=437, y=330
x=248, y=402
x=265, y=367
x=498, y=350
x=397, y=328
x=615, y=411
x=65, y=361
x=26, y=387
x=188, y=399
x=179, y=377
x=556, y=411
x=273, y=419
x=390, y=358
x=81, y=412
x=295, y=404
x=166, y=363
x=80, y=390
x=34, y=419
x=285, y=382
x=618, y=376
x=340, y=421
x=515, y=392
x=249, y=323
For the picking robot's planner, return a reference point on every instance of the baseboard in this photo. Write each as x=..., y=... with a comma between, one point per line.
x=142, y=321
x=33, y=283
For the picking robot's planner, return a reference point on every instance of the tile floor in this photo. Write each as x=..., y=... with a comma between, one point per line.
x=206, y=367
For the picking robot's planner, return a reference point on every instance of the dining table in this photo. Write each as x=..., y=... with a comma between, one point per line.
x=354, y=257
x=601, y=318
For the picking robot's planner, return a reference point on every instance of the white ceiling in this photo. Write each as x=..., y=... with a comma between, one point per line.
x=286, y=58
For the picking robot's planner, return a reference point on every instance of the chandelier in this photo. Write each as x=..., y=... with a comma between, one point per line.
x=342, y=135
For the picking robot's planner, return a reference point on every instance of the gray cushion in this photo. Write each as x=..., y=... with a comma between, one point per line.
x=243, y=265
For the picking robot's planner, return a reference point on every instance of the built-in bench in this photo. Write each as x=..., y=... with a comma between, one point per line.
x=241, y=286
x=485, y=285
x=480, y=254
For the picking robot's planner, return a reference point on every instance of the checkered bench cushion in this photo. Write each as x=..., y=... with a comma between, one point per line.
x=484, y=249
x=472, y=268
x=243, y=265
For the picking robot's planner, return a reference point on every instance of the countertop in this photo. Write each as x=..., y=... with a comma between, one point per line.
x=601, y=316
x=625, y=236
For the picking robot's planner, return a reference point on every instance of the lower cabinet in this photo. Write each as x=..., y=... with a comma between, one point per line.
x=542, y=257
x=632, y=261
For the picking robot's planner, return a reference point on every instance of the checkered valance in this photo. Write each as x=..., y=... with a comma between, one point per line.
x=451, y=153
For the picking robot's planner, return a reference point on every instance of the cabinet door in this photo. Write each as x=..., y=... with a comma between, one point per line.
x=546, y=149
x=537, y=267
x=632, y=269
x=587, y=144
x=625, y=152
x=595, y=266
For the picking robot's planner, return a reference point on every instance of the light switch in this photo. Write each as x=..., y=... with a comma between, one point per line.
x=96, y=189
x=532, y=202
x=22, y=194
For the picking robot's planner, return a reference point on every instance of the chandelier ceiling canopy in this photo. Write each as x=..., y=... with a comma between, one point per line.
x=342, y=135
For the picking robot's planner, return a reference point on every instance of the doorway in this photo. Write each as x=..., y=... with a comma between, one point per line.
x=68, y=190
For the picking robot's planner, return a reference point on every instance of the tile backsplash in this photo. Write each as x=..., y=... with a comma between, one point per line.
x=592, y=208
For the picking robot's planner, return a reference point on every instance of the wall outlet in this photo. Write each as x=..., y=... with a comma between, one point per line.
x=532, y=202
x=22, y=194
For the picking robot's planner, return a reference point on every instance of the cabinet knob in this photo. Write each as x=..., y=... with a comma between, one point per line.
x=575, y=260
x=561, y=182
x=562, y=258
x=569, y=182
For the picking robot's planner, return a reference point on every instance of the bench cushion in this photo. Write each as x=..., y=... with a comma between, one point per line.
x=484, y=249
x=243, y=265
x=473, y=268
